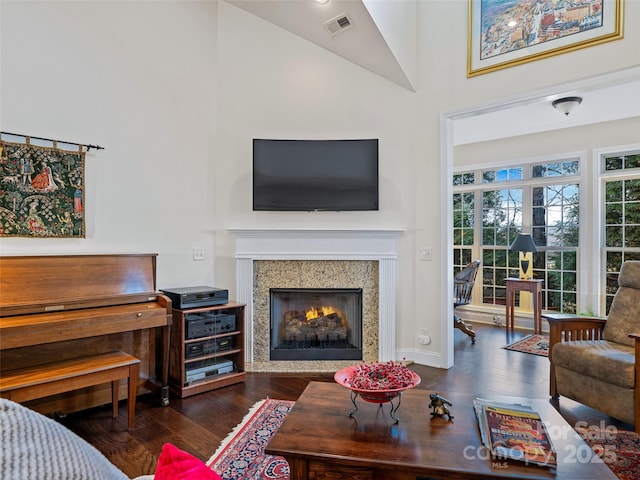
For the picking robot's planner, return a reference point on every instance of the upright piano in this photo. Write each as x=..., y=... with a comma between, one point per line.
x=55, y=307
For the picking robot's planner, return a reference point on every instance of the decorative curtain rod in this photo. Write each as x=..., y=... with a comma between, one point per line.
x=89, y=147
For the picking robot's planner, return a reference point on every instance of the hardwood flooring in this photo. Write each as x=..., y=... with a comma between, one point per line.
x=198, y=424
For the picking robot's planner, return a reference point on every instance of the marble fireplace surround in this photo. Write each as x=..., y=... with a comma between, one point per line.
x=316, y=245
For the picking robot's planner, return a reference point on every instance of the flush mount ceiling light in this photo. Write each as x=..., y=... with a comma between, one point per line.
x=322, y=2
x=567, y=104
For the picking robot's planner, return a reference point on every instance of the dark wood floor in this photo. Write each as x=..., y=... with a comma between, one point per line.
x=198, y=424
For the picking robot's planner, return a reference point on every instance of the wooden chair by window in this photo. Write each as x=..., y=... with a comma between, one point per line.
x=462, y=285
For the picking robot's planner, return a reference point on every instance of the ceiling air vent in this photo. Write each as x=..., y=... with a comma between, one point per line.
x=338, y=24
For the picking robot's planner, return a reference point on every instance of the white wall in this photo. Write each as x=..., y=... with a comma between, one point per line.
x=585, y=138
x=176, y=90
x=277, y=85
x=138, y=78
x=443, y=87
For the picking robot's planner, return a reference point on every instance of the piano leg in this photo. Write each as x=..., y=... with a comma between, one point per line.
x=162, y=389
x=164, y=393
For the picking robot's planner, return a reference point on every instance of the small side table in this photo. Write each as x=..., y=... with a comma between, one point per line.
x=532, y=286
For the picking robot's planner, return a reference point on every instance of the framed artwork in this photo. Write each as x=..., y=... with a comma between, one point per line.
x=41, y=191
x=507, y=33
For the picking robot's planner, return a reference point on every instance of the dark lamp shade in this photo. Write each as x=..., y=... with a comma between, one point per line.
x=523, y=243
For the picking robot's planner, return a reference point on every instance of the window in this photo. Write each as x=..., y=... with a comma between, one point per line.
x=501, y=223
x=555, y=226
x=463, y=228
x=556, y=169
x=621, y=162
x=464, y=179
x=541, y=198
x=621, y=212
x=504, y=175
x=544, y=198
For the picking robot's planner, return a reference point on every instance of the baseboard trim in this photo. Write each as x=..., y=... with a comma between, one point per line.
x=428, y=359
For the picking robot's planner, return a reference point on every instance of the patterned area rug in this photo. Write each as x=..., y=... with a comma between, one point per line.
x=533, y=343
x=241, y=455
x=617, y=448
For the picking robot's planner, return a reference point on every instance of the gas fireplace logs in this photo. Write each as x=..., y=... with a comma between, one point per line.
x=298, y=327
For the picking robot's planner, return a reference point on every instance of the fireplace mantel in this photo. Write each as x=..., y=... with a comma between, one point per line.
x=315, y=244
x=321, y=244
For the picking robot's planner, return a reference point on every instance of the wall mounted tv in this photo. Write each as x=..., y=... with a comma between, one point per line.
x=315, y=175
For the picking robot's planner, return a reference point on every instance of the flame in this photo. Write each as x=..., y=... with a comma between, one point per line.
x=315, y=312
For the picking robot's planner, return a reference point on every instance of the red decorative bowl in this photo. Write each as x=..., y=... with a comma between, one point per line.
x=343, y=377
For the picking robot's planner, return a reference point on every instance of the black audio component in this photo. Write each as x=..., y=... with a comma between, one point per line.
x=194, y=297
x=207, y=324
x=207, y=347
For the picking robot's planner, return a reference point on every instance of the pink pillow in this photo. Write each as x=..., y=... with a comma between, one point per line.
x=174, y=464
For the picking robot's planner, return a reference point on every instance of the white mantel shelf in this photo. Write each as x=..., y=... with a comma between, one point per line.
x=315, y=244
x=321, y=244
x=317, y=232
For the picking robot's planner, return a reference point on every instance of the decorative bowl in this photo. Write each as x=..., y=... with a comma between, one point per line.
x=345, y=375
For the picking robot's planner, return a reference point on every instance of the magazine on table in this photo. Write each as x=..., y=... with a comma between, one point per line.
x=514, y=431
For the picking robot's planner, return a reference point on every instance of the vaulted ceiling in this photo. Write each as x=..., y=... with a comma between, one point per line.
x=380, y=36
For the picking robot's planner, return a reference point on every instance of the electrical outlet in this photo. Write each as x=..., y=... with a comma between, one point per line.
x=426, y=254
x=198, y=253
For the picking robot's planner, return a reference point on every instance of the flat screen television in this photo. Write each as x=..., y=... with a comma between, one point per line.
x=315, y=175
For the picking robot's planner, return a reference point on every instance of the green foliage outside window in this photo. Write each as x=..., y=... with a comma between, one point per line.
x=463, y=218
x=622, y=162
x=464, y=179
x=621, y=219
x=554, y=211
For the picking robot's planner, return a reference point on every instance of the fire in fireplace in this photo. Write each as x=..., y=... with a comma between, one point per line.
x=316, y=323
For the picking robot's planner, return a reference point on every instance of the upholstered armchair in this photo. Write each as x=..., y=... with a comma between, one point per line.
x=593, y=360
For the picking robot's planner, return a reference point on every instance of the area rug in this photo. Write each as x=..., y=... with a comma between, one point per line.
x=619, y=449
x=532, y=343
x=241, y=455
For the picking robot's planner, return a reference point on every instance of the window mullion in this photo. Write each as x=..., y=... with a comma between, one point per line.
x=527, y=208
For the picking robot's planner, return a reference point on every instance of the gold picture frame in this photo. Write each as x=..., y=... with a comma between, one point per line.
x=501, y=36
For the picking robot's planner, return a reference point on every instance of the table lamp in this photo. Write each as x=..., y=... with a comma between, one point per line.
x=524, y=244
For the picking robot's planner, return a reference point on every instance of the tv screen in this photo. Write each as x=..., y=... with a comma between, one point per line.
x=312, y=175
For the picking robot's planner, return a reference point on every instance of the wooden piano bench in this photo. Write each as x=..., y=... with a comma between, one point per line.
x=40, y=381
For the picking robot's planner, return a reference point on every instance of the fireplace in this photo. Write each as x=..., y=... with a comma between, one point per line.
x=316, y=258
x=316, y=323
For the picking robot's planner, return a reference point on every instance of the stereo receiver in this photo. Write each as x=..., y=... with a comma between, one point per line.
x=208, y=324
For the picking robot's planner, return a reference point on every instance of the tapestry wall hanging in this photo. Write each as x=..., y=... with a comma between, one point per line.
x=41, y=191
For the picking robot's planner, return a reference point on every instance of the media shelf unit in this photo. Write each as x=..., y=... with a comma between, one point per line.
x=206, y=348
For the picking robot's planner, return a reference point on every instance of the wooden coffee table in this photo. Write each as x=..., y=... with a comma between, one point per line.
x=319, y=440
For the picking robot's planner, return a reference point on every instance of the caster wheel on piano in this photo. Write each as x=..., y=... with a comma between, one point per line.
x=165, y=402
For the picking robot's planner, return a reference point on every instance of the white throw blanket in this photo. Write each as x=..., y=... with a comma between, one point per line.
x=34, y=447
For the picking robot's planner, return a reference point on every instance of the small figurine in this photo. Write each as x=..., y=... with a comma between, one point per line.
x=439, y=405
